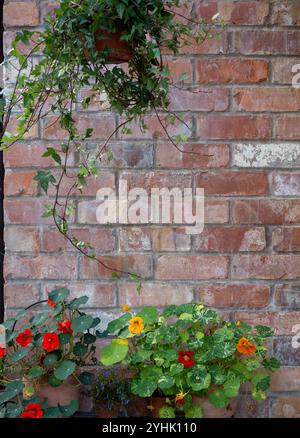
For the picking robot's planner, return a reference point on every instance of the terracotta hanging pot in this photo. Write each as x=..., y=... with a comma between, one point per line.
x=156, y=402
x=63, y=394
x=137, y=407
x=120, y=50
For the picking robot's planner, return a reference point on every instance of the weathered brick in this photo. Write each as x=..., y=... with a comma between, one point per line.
x=286, y=379
x=178, y=67
x=126, y=155
x=40, y=267
x=103, y=126
x=170, y=267
x=234, y=295
x=249, y=408
x=233, y=70
x=21, y=14
x=287, y=127
x=282, y=70
x=20, y=183
x=216, y=211
x=192, y=155
x=211, y=45
x=286, y=407
x=266, y=155
x=154, y=294
x=286, y=13
x=236, y=12
x=266, y=211
x=29, y=154
x=24, y=211
x=31, y=134
x=287, y=295
x=22, y=239
x=285, y=183
x=281, y=322
x=99, y=294
x=266, y=267
x=283, y=349
x=265, y=42
x=199, y=99
x=157, y=179
x=233, y=183
x=155, y=239
x=230, y=239
x=235, y=127
x=101, y=239
x=20, y=295
x=267, y=99
x=137, y=264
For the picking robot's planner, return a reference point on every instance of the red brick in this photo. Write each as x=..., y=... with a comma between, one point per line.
x=266, y=211
x=287, y=295
x=24, y=49
x=206, y=155
x=155, y=239
x=20, y=295
x=286, y=239
x=286, y=13
x=283, y=348
x=102, y=124
x=100, y=294
x=86, y=212
x=156, y=131
x=236, y=12
x=234, y=295
x=249, y=408
x=157, y=179
x=40, y=267
x=286, y=183
x=30, y=155
x=267, y=99
x=233, y=183
x=22, y=239
x=219, y=127
x=21, y=14
x=25, y=211
x=104, y=179
x=138, y=264
x=216, y=211
x=214, y=45
x=178, y=67
x=20, y=183
x=266, y=267
x=101, y=239
x=281, y=322
x=12, y=128
x=130, y=155
x=286, y=407
x=154, y=294
x=265, y=42
x=199, y=99
x=230, y=239
x=288, y=127
x=286, y=379
x=234, y=70
x=191, y=267
x=47, y=7
x=282, y=70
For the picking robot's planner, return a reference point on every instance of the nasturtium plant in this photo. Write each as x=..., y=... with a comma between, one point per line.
x=188, y=354
x=46, y=348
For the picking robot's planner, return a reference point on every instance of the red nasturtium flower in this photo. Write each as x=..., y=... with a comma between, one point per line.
x=246, y=347
x=65, y=327
x=50, y=341
x=33, y=410
x=24, y=338
x=51, y=303
x=186, y=358
x=2, y=352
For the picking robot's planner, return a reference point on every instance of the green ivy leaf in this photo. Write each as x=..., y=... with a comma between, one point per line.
x=44, y=178
x=51, y=152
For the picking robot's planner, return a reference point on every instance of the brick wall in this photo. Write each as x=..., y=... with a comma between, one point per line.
x=247, y=260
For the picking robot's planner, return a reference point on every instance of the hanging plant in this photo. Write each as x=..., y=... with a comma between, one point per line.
x=78, y=44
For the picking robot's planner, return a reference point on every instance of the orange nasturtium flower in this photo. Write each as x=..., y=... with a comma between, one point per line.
x=126, y=308
x=238, y=323
x=246, y=347
x=136, y=325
